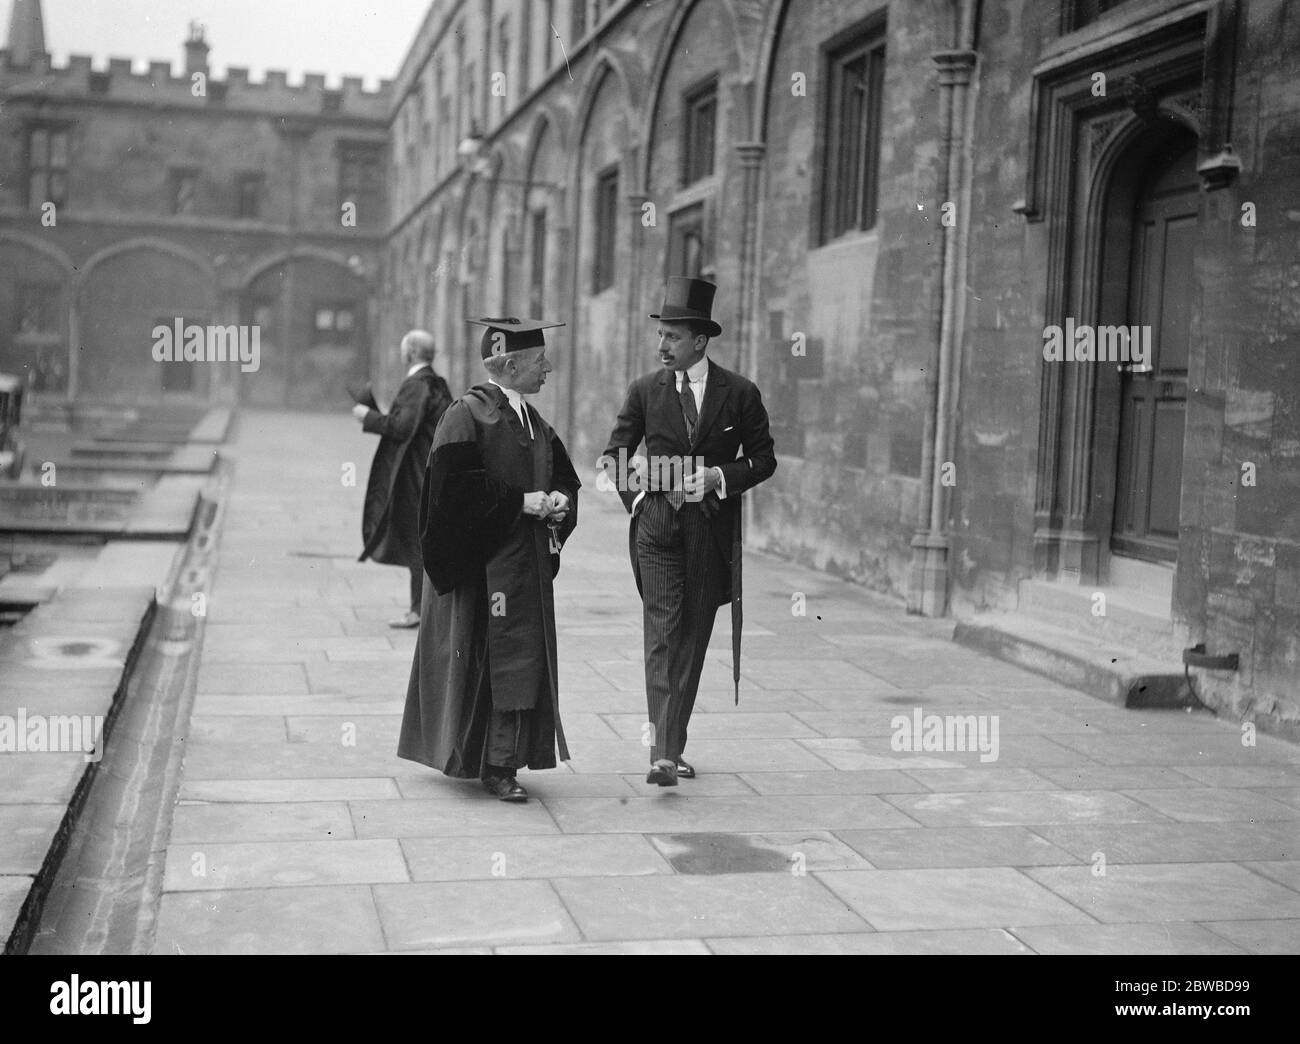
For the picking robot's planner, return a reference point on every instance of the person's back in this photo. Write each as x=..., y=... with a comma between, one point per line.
x=390, y=523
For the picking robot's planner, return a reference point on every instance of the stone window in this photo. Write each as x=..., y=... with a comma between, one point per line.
x=537, y=267
x=446, y=149
x=184, y=185
x=699, y=131
x=548, y=30
x=469, y=118
x=525, y=51
x=334, y=322
x=249, y=196
x=606, y=226
x=361, y=180
x=686, y=242
x=458, y=69
x=426, y=111
x=503, y=65
x=47, y=166
x=855, y=81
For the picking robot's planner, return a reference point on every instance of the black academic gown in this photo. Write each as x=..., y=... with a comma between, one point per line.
x=487, y=621
x=390, y=516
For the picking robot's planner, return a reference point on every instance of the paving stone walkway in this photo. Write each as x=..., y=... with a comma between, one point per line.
x=299, y=830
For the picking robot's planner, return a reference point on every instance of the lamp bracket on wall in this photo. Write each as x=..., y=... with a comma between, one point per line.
x=476, y=161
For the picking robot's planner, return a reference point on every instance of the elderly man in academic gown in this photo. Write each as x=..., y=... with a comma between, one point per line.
x=500, y=499
x=390, y=518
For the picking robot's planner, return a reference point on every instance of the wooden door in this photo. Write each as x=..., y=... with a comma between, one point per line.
x=1154, y=397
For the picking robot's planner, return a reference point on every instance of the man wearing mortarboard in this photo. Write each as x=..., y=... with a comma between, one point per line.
x=500, y=499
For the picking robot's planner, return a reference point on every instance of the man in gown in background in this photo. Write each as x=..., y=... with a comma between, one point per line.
x=390, y=518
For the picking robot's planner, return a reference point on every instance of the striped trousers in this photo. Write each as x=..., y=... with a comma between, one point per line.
x=679, y=565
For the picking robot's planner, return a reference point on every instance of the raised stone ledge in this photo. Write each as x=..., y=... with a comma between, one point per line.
x=41, y=793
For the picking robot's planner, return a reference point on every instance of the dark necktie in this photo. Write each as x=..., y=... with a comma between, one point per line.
x=677, y=497
x=688, y=408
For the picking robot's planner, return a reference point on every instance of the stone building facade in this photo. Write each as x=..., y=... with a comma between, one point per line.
x=897, y=201
x=130, y=200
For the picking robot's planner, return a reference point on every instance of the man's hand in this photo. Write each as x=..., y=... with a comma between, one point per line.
x=537, y=504
x=359, y=411
x=699, y=483
x=559, y=507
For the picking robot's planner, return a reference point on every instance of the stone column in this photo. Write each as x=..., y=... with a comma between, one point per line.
x=565, y=283
x=928, y=584
x=296, y=132
x=751, y=155
x=74, y=338
x=632, y=297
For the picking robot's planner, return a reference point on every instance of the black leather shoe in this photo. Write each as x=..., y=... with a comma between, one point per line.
x=505, y=788
x=663, y=772
x=685, y=770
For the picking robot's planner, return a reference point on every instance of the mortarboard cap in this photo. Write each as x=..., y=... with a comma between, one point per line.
x=512, y=335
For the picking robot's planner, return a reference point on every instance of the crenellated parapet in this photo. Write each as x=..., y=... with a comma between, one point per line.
x=122, y=82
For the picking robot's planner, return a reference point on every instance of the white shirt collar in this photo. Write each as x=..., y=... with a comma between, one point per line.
x=416, y=369
x=516, y=400
x=517, y=404
x=697, y=372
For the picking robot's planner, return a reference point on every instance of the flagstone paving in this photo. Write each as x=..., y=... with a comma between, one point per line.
x=297, y=829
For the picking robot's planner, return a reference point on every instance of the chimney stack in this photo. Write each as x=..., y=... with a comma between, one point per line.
x=196, y=51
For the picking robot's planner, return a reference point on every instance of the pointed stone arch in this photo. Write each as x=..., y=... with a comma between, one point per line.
x=41, y=247
x=123, y=291
x=740, y=13
x=268, y=261
x=53, y=365
x=164, y=246
x=608, y=62
x=765, y=65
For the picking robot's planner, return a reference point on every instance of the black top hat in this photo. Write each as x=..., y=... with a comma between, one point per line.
x=686, y=298
x=512, y=335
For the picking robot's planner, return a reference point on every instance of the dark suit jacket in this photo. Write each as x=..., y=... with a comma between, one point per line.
x=732, y=434
x=390, y=526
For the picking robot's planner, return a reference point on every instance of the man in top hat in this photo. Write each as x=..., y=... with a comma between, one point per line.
x=706, y=432
x=500, y=499
x=390, y=518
